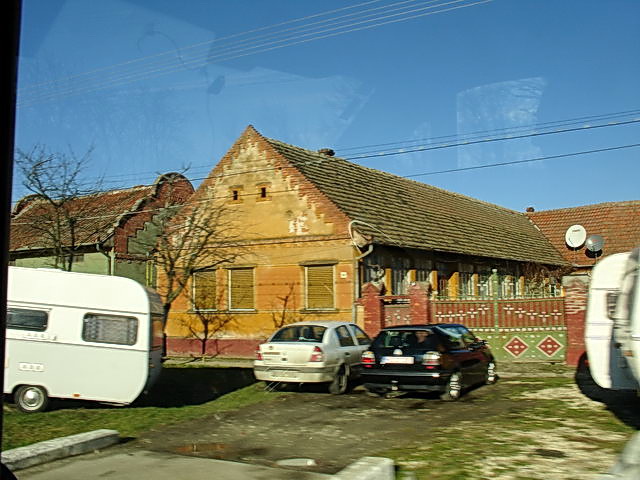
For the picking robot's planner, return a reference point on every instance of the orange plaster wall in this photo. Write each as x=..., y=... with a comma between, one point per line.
x=293, y=225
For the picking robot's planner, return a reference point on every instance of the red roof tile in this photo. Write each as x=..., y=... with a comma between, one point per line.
x=99, y=216
x=617, y=222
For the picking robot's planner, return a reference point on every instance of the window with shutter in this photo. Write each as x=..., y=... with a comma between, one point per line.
x=204, y=290
x=241, y=295
x=320, y=291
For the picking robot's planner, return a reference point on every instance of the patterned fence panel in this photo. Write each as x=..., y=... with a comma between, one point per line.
x=530, y=330
x=476, y=314
x=517, y=329
x=520, y=330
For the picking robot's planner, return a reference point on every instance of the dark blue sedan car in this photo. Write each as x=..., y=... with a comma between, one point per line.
x=443, y=357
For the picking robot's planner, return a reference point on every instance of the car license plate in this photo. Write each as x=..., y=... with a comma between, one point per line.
x=282, y=373
x=398, y=360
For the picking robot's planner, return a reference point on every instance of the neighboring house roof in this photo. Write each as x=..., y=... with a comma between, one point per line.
x=402, y=212
x=99, y=215
x=617, y=222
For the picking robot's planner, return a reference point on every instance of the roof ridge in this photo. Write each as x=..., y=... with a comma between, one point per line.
x=322, y=157
x=590, y=205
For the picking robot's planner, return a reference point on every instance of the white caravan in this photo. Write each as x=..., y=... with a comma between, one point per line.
x=79, y=336
x=612, y=333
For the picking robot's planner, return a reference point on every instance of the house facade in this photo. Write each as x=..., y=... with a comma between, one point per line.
x=112, y=231
x=314, y=228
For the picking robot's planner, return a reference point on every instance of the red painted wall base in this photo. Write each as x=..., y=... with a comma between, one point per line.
x=234, y=348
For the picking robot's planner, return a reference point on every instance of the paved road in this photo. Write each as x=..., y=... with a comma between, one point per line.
x=118, y=464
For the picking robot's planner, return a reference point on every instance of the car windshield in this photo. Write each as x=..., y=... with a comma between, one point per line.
x=299, y=333
x=407, y=339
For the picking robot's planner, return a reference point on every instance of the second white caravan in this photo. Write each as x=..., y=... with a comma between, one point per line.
x=612, y=333
x=79, y=336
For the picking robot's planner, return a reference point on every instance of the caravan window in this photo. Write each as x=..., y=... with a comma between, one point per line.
x=24, y=319
x=110, y=329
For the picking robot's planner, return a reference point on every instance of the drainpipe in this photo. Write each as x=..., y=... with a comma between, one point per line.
x=356, y=270
x=356, y=280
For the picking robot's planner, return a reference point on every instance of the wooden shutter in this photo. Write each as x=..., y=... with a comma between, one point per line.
x=241, y=288
x=320, y=287
x=204, y=290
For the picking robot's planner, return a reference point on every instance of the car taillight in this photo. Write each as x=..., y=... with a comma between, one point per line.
x=431, y=360
x=368, y=358
x=258, y=354
x=317, y=355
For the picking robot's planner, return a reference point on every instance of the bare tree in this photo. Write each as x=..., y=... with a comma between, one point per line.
x=60, y=201
x=206, y=323
x=286, y=312
x=191, y=237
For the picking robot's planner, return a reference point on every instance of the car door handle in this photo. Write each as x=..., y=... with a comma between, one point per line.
x=346, y=354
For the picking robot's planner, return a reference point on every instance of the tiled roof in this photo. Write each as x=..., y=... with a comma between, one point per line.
x=100, y=214
x=617, y=222
x=411, y=214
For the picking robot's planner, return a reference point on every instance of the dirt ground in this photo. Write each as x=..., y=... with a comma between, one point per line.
x=334, y=431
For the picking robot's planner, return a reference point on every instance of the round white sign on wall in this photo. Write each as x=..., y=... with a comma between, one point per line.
x=575, y=236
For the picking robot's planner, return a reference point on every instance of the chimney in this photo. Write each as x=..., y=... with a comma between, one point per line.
x=530, y=209
x=327, y=151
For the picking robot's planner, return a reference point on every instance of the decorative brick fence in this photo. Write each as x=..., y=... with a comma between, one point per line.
x=522, y=330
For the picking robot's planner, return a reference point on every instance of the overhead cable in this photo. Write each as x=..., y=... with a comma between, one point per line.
x=205, y=58
x=434, y=172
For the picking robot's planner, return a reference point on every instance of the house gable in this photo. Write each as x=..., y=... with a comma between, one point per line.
x=268, y=196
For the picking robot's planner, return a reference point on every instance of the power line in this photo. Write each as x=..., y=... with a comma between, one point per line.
x=487, y=140
x=172, y=65
x=529, y=160
x=439, y=146
x=195, y=45
x=535, y=126
x=436, y=172
x=204, y=59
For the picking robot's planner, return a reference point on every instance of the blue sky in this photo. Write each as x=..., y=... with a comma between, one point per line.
x=159, y=85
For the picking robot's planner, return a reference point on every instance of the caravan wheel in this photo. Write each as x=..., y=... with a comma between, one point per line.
x=31, y=398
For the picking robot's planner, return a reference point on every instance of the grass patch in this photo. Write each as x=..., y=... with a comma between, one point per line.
x=566, y=433
x=24, y=429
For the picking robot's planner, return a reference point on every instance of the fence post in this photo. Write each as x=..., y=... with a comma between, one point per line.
x=420, y=303
x=495, y=295
x=575, y=302
x=373, y=309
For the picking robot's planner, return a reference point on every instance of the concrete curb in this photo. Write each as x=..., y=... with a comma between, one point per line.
x=42, y=452
x=368, y=468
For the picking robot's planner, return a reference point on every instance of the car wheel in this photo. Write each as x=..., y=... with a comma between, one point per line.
x=376, y=392
x=492, y=376
x=453, y=389
x=339, y=384
x=31, y=398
